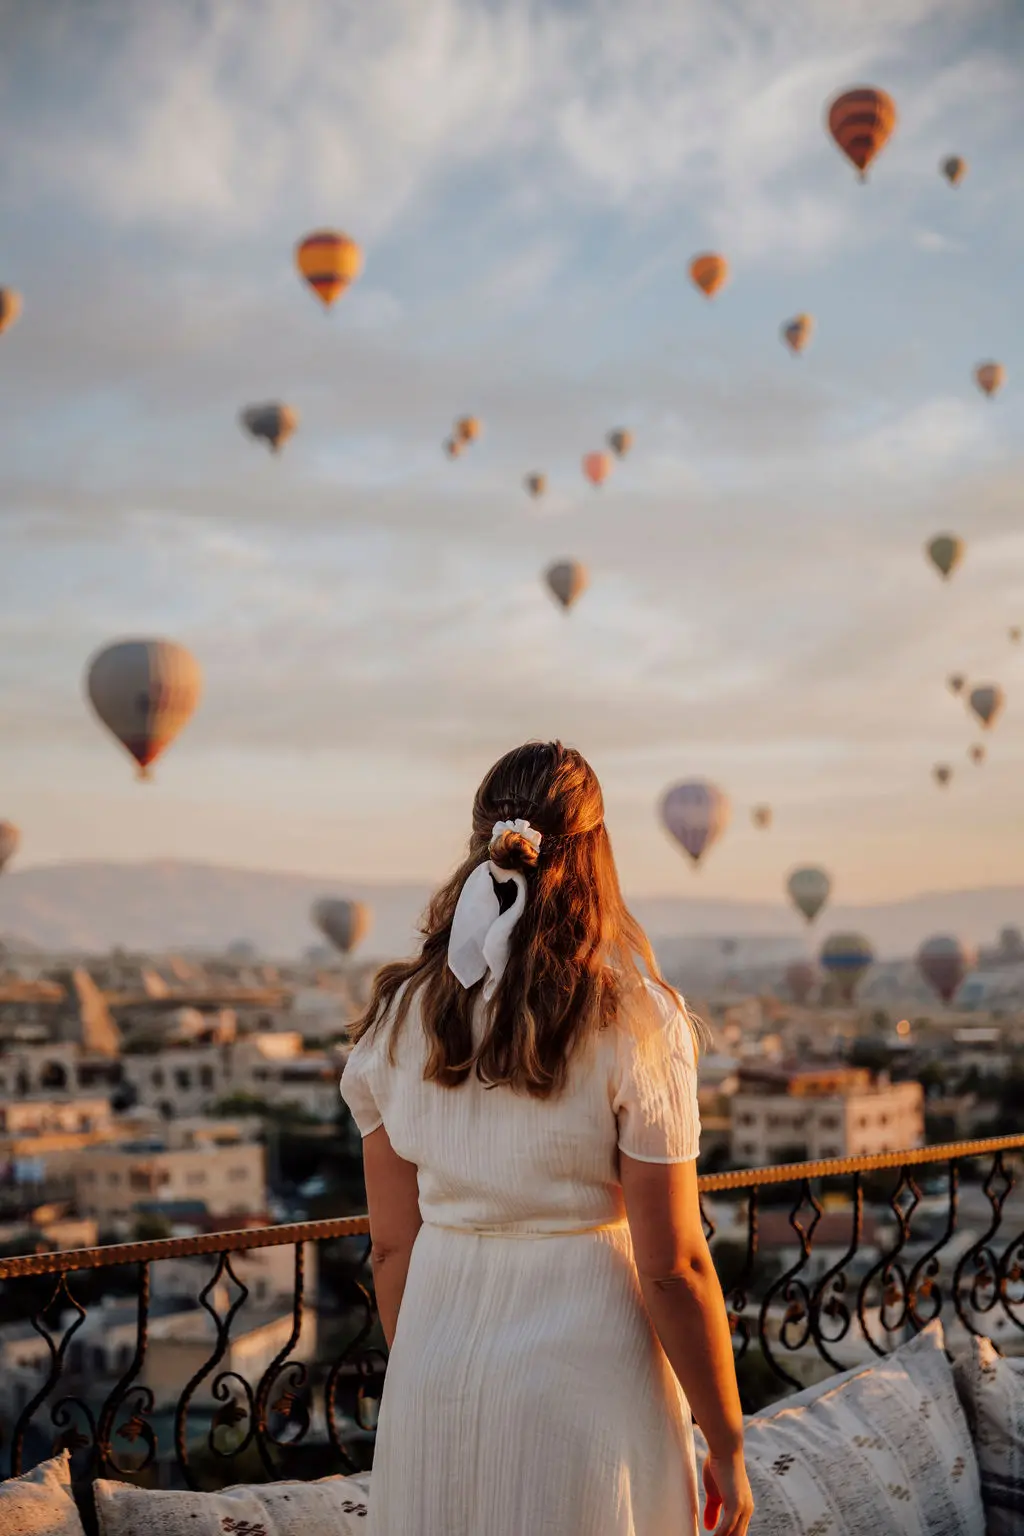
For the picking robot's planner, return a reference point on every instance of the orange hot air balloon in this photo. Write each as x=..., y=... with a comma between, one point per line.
x=467, y=429
x=597, y=467
x=710, y=272
x=329, y=261
x=10, y=307
x=273, y=422
x=990, y=378
x=861, y=121
x=453, y=447
x=796, y=333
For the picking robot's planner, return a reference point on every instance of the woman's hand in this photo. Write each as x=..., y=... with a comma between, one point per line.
x=730, y=1502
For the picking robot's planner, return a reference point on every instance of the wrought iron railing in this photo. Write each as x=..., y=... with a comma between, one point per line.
x=906, y=1253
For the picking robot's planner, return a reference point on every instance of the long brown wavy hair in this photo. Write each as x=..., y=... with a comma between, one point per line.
x=575, y=953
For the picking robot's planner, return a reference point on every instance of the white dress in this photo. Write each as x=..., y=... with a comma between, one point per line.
x=526, y=1393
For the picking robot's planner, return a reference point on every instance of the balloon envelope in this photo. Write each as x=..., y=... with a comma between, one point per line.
x=945, y=552
x=567, y=579
x=796, y=333
x=955, y=682
x=1014, y=633
x=986, y=701
x=696, y=813
x=536, y=484
x=144, y=692
x=977, y=753
x=943, y=773
x=801, y=979
x=954, y=168
x=990, y=377
x=273, y=422
x=453, y=447
x=467, y=429
x=709, y=272
x=861, y=122
x=809, y=889
x=761, y=816
x=620, y=441
x=597, y=467
x=345, y=923
x=329, y=261
x=846, y=956
x=10, y=307
x=10, y=838
x=943, y=962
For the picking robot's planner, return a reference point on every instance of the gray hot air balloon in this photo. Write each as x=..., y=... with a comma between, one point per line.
x=567, y=580
x=943, y=962
x=144, y=691
x=987, y=701
x=345, y=923
x=696, y=813
x=809, y=890
x=273, y=422
x=10, y=838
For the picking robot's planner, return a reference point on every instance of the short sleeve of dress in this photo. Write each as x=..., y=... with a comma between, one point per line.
x=356, y=1087
x=655, y=1091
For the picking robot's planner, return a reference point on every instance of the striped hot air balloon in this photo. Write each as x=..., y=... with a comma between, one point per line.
x=329, y=261
x=846, y=957
x=710, y=272
x=10, y=308
x=144, y=692
x=696, y=814
x=861, y=122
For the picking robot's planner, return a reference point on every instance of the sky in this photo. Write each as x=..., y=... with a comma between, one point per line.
x=529, y=182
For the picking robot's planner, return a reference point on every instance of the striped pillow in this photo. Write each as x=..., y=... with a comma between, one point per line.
x=992, y=1392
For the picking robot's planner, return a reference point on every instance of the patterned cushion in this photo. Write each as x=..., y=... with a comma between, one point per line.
x=992, y=1392
x=40, y=1503
x=334, y=1506
x=887, y=1449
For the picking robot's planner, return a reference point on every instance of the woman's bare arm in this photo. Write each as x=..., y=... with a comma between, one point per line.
x=685, y=1302
x=393, y=1198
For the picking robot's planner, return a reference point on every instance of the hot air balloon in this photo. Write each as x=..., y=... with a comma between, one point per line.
x=801, y=979
x=846, y=956
x=10, y=838
x=942, y=773
x=710, y=272
x=274, y=422
x=955, y=682
x=954, y=168
x=809, y=889
x=567, y=580
x=761, y=815
x=977, y=753
x=467, y=429
x=943, y=962
x=345, y=923
x=861, y=122
x=329, y=261
x=990, y=377
x=620, y=441
x=10, y=307
x=536, y=484
x=696, y=814
x=796, y=333
x=1014, y=634
x=987, y=701
x=144, y=691
x=945, y=552
x=453, y=447
x=597, y=467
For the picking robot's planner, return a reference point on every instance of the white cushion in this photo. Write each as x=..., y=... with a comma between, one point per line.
x=992, y=1392
x=333, y=1506
x=40, y=1503
x=885, y=1450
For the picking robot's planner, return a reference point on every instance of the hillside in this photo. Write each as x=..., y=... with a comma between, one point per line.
x=169, y=905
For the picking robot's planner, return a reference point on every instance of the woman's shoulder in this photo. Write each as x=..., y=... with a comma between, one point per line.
x=652, y=1019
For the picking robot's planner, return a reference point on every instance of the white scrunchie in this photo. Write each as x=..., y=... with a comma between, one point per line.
x=481, y=932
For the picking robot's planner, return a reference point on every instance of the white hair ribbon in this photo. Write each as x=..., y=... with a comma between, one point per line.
x=481, y=932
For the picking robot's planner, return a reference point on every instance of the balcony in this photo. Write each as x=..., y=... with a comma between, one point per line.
x=256, y=1354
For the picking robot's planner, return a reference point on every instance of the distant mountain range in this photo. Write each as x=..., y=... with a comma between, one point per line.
x=92, y=907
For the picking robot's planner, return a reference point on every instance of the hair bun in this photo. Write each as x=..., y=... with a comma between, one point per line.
x=511, y=850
